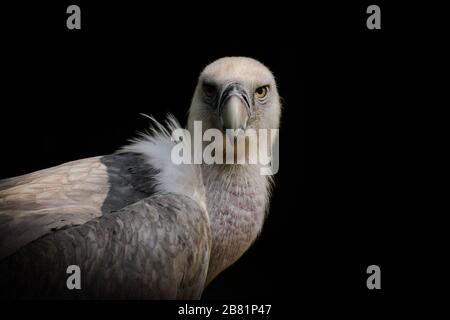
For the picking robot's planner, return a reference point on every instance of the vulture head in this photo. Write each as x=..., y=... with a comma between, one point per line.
x=236, y=93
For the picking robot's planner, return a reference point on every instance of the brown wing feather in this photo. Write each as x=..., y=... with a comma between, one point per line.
x=33, y=205
x=70, y=194
x=156, y=248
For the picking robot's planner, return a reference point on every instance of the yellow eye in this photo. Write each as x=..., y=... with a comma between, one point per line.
x=262, y=92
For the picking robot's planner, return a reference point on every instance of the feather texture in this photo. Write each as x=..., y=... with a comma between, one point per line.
x=156, y=248
x=138, y=225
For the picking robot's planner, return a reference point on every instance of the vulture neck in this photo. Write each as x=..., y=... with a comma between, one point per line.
x=236, y=200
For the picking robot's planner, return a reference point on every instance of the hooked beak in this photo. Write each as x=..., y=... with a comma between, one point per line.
x=234, y=107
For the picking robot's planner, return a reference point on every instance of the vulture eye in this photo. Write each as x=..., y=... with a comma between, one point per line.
x=209, y=90
x=261, y=92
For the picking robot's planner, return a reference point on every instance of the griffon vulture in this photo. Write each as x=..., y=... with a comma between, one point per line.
x=135, y=223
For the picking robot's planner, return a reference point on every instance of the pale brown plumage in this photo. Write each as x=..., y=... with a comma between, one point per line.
x=138, y=225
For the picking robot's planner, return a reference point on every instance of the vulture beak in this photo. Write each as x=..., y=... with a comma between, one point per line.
x=234, y=107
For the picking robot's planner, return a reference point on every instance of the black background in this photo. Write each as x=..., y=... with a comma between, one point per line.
x=339, y=200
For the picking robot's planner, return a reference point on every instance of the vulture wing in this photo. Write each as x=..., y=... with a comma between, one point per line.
x=134, y=222
x=158, y=247
x=36, y=204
